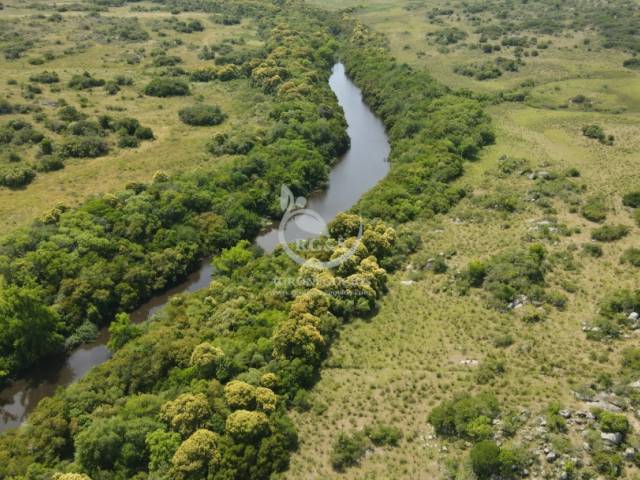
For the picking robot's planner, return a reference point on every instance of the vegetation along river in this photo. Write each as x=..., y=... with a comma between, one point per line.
x=364, y=164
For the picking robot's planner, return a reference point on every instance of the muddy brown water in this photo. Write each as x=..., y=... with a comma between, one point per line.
x=364, y=165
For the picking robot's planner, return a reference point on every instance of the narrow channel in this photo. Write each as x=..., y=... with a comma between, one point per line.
x=364, y=165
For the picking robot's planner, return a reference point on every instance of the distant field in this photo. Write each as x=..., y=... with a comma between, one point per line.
x=395, y=368
x=177, y=147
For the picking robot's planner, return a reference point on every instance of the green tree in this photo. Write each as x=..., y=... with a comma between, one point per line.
x=246, y=426
x=162, y=447
x=187, y=413
x=197, y=457
x=121, y=331
x=28, y=328
x=233, y=258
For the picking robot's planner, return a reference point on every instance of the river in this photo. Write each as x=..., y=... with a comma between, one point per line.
x=364, y=164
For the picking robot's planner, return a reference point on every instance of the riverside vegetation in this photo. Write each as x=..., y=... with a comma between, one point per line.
x=202, y=391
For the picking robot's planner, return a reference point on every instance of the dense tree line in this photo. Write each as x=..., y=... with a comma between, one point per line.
x=115, y=251
x=432, y=131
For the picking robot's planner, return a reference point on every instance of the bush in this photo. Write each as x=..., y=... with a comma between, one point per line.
x=632, y=63
x=85, y=81
x=596, y=132
x=631, y=256
x=613, y=422
x=631, y=199
x=348, y=450
x=595, y=209
x=485, y=459
x=465, y=416
x=166, y=87
x=202, y=115
x=128, y=141
x=383, y=435
x=49, y=163
x=144, y=133
x=45, y=77
x=518, y=272
x=81, y=147
x=610, y=233
x=593, y=250
x=15, y=176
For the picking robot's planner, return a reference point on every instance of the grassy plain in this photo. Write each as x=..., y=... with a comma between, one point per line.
x=396, y=367
x=177, y=147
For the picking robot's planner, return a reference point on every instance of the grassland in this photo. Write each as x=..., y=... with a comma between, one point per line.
x=396, y=367
x=177, y=147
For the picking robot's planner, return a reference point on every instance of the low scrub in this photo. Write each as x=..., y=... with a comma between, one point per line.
x=610, y=233
x=202, y=115
x=166, y=87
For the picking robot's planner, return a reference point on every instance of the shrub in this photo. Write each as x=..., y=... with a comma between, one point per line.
x=613, y=422
x=111, y=87
x=348, y=450
x=632, y=256
x=5, y=107
x=608, y=463
x=166, y=61
x=49, y=163
x=15, y=176
x=485, y=459
x=45, y=77
x=593, y=250
x=631, y=199
x=610, y=233
x=595, y=209
x=85, y=81
x=462, y=415
x=202, y=115
x=518, y=272
x=166, y=87
x=632, y=63
x=381, y=434
x=128, y=141
x=596, y=132
x=144, y=133
x=80, y=147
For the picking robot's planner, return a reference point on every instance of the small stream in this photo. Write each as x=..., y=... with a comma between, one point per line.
x=364, y=164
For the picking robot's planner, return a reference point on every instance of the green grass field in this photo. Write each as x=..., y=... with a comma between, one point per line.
x=177, y=147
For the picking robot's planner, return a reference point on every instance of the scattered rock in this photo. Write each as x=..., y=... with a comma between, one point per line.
x=612, y=438
x=629, y=454
x=635, y=384
x=565, y=413
x=469, y=362
x=634, y=316
x=407, y=282
x=551, y=457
